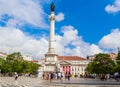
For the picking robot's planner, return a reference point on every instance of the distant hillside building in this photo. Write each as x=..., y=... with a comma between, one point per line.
x=27, y=57
x=3, y=55
x=113, y=56
x=91, y=58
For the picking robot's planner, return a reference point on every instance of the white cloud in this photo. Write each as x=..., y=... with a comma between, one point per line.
x=113, y=8
x=22, y=11
x=94, y=49
x=111, y=41
x=69, y=44
x=13, y=40
x=59, y=17
x=16, y=13
x=85, y=49
x=72, y=44
x=70, y=34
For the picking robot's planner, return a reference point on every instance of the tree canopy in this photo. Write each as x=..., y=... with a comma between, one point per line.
x=102, y=64
x=14, y=56
x=118, y=58
x=117, y=68
x=15, y=63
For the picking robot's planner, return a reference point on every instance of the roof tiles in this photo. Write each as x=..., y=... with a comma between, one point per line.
x=70, y=58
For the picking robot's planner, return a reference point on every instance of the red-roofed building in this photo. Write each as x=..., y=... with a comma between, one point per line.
x=74, y=64
x=69, y=58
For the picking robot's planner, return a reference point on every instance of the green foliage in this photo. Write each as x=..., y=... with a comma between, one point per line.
x=118, y=58
x=102, y=64
x=14, y=56
x=2, y=65
x=117, y=68
x=29, y=67
x=90, y=68
x=15, y=63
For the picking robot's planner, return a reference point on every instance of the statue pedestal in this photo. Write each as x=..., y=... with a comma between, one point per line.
x=50, y=57
x=50, y=62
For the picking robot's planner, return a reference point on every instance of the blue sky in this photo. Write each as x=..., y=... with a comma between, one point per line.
x=83, y=27
x=89, y=18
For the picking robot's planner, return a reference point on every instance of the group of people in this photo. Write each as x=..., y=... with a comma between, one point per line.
x=52, y=75
x=57, y=76
x=108, y=76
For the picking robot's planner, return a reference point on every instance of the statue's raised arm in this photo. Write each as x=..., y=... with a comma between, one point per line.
x=52, y=7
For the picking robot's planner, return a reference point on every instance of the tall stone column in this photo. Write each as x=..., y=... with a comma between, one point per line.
x=51, y=49
x=51, y=64
x=51, y=56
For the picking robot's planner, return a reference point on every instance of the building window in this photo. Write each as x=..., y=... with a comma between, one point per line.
x=72, y=69
x=81, y=69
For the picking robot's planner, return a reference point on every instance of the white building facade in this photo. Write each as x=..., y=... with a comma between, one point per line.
x=73, y=64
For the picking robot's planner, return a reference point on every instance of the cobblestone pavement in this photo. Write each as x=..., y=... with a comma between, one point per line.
x=38, y=82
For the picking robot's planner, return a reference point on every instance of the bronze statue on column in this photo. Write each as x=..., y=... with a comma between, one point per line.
x=52, y=7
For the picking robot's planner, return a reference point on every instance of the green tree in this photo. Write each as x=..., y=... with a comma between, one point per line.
x=30, y=67
x=118, y=58
x=90, y=68
x=2, y=65
x=34, y=67
x=14, y=56
x=102, y=64
x=117, y=68
x=15, y=63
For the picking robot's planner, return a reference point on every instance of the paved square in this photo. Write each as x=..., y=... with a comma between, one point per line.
x=38, y=82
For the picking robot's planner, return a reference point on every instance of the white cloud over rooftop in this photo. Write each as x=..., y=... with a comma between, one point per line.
x=112, y=40
x=15, y=40
x=73, y=44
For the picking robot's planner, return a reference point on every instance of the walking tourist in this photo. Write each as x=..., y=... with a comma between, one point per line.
x=16, y=76
x=116, y=76
x=69, y=75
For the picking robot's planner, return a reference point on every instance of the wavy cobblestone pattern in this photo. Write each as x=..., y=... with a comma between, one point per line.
x=38, y=82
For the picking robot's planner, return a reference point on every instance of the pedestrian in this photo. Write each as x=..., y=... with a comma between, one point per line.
x=43, y=76
x=116, y=75
x=59, y=75
x=69, y=75
x=73, y=76
x=16, y=76
x=51, y=76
